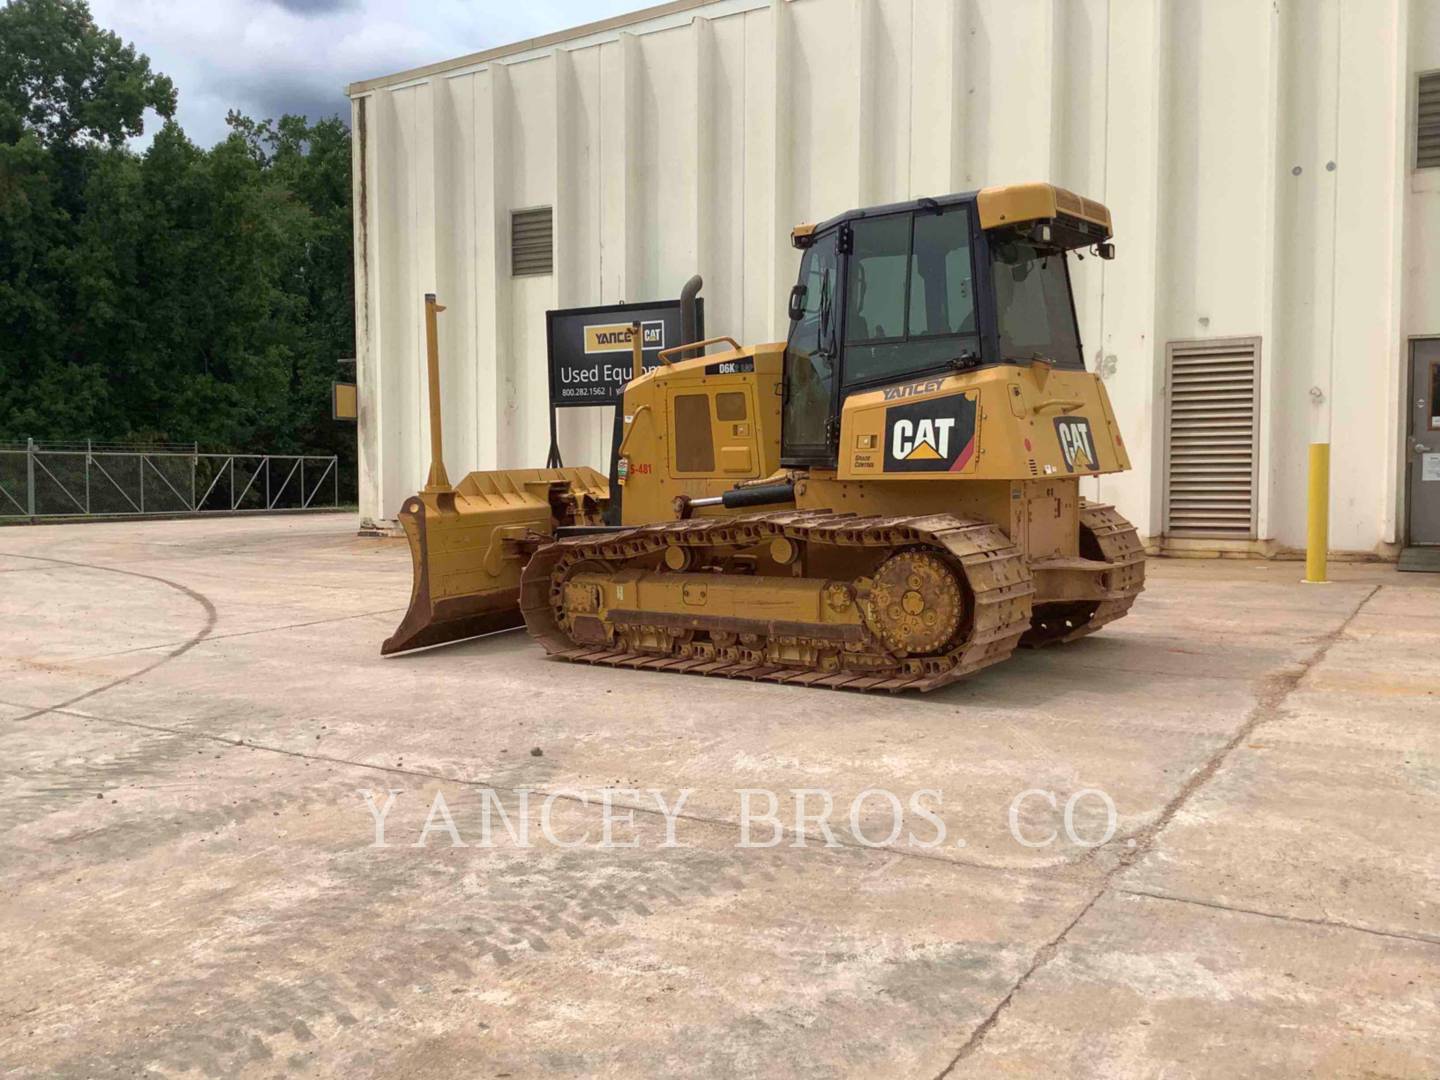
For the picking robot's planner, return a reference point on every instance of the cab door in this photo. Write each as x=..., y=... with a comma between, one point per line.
x=809, y=400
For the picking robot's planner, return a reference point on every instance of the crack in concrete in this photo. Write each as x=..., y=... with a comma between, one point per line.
x=178, y=647
x=1333, y=924
x=249, y=633
x=1274, y=689
x=211, y=616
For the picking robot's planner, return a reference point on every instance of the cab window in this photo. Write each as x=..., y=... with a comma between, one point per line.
x=910, y=295
x=875, y=304
x=1033, y=310
x=942, y=289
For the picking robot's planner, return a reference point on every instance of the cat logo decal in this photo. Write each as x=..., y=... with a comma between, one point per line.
x=934, y=435
x=1077, y=444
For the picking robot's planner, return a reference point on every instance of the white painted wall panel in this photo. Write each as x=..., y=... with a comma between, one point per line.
x=1422, y=188
x=724, y=152
x=694, y=139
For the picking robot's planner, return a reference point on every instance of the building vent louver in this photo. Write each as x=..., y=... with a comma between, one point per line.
x=532, y=248
x=1427, y=122
x=1211, y=438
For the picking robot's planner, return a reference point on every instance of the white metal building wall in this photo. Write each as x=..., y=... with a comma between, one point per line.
x=1257, y=158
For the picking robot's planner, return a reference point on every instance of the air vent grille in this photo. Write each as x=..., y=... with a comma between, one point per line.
x=1212, y=421
x=1427, y=123
x=532, y=249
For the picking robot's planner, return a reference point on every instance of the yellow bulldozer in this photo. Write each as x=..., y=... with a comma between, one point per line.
x=888, y=500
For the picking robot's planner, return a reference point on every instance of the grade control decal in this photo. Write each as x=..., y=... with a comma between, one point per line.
x=935, y=435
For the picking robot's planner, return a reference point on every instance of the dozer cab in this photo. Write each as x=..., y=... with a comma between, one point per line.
x=888, y=500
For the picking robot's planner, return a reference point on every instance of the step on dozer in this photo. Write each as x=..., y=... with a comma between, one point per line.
x=887, y=500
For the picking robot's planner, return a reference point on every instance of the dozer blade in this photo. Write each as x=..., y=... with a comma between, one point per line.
x=468, y=547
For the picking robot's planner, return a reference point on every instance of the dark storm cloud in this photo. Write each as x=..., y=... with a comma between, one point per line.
x=307, y=8
x=270, y=102
x=269, y=94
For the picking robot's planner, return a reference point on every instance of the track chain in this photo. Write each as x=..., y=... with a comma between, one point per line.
x=995, y=571
x=1120, y=546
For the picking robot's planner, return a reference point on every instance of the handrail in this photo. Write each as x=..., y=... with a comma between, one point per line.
x=634, y=422
x=1065, y=405
x=665, y=354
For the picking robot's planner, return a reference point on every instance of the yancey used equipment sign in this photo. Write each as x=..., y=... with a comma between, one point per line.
x=591, y=349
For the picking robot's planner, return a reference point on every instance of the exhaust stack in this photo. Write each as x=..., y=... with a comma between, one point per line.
x=688, y=332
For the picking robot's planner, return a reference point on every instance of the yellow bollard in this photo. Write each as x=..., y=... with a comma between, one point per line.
x=1317, y=533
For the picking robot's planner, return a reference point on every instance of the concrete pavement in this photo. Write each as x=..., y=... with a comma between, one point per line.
x=197, y=736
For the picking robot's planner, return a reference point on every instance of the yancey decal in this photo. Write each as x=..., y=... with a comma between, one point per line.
x=1077, y=445
x=615, y=337
x=937, y=435
x=907, y=390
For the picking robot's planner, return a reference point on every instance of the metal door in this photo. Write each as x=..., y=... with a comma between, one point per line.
x=1424, y=442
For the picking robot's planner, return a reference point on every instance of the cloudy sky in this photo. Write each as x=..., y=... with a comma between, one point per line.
x=268, y=57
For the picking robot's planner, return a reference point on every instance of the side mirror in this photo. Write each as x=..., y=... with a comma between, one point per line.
x=797, y=302
x=1105, y=250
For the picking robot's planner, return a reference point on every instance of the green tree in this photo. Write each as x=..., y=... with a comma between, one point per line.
x=70, y=95
x=67, y=81
x=180, y=294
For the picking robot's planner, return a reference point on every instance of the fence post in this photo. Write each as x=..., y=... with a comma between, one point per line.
x=88, y=444
x=337, y=480
x=141, y=459
x=194, y=464
x=30, y=476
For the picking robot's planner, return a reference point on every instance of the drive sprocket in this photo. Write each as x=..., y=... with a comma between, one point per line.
x=916, y=603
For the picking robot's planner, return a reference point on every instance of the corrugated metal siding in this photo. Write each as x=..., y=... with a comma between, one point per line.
x=1427, y=123
x=1212, y=418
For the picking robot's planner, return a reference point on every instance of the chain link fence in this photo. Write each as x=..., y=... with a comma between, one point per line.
x=93, y=479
